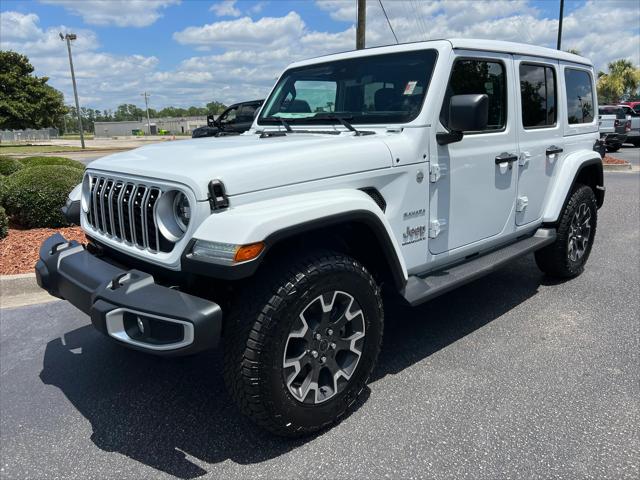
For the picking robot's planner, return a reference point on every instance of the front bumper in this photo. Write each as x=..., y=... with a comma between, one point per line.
x=127, y=305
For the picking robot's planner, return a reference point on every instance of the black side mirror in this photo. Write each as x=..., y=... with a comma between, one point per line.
x=211, y=121
x=467, y=113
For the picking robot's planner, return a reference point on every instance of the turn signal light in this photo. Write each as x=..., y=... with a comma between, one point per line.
x=248, y=252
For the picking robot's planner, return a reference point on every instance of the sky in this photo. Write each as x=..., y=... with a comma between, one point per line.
x=191, y=52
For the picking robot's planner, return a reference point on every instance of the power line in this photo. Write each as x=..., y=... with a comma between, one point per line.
x=388, y=21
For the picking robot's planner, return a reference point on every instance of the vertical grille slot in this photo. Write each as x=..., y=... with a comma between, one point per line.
x=106, y=207
x=92, y=187
x=114, y=197
x=153, y=234
x=127, y=194
x=138, y=209
x=97, y=202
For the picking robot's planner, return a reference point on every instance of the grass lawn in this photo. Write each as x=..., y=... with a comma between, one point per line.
x=27, y=149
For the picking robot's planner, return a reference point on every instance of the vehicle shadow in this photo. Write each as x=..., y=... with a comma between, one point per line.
x=174, y=414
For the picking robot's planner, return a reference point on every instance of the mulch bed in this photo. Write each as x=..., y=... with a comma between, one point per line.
x=609, y=160
x=19, y=250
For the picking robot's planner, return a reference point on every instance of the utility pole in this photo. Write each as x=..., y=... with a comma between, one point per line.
x=146, y=104
x=361, y=24
x=560, y=24
x=68, y=37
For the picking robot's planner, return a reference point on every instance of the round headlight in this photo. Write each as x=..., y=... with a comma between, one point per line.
x=181, y=210
x=173, y=213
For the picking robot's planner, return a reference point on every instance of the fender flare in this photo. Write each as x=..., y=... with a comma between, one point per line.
x=566, y=179
x=272, y=221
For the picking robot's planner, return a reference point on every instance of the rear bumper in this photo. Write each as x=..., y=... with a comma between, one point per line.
x=127, y=305
x=614, y=138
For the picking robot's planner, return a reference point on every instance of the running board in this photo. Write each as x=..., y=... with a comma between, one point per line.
x=421, y=289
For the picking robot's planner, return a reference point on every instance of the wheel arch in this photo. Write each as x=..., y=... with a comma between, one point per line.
x=578, y=168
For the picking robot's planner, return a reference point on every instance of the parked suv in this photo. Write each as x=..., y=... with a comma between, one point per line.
x=411, y=169
x=234, y=120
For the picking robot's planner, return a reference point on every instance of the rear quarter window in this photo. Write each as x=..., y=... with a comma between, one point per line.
x=579, y=96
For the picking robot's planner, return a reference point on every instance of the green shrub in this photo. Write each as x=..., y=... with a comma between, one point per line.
x=9, y=165
x=4, y=223
x=35, y=195
x=38, y=161
x=4, y=185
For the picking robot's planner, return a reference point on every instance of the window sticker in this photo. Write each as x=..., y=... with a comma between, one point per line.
x=411, y=86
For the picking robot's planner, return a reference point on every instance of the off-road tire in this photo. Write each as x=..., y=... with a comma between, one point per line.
x=258, y=327
x=613, y=148
x=554, y=258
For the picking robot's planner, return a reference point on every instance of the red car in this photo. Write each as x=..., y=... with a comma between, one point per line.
x=631, y=104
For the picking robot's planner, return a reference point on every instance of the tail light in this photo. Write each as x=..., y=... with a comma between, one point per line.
x=616, y=123
x=627, y=126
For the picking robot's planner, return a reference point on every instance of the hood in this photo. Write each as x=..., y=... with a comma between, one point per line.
x=247, y=163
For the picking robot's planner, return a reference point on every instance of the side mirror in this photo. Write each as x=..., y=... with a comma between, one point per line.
x=467, y=113
x=211, y=122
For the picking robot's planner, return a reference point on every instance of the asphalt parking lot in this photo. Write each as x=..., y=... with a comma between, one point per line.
x=512, y=376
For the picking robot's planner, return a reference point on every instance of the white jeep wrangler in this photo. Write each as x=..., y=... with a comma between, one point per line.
x=412, y=169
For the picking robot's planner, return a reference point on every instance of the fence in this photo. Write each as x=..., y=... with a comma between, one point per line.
x=28, y=135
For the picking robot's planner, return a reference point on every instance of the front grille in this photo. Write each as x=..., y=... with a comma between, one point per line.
x=125, y=211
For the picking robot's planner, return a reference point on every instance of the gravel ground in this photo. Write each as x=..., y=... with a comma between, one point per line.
x=512, y=376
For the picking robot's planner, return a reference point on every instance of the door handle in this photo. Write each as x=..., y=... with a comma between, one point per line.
x=505, y=157
x=552, y=150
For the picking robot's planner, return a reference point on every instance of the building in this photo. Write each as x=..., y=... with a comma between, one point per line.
x=174, y=125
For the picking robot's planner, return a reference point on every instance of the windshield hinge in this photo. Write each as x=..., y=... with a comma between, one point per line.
x=436, y=172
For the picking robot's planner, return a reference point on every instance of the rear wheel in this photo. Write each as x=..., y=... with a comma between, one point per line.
x=566, y=257
x=613, y=148
x=299, y=355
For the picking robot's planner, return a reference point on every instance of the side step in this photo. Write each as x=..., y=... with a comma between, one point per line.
x=421, y=289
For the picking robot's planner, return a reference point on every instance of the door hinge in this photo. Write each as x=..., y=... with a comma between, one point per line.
x=521, y=203
x=524, y=158
x=436, y=227
x=435, y=172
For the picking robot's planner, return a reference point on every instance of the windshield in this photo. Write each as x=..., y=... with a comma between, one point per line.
x=386, y=88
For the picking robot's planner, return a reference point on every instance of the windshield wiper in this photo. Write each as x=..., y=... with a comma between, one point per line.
x=342, y=120
x=286, y=126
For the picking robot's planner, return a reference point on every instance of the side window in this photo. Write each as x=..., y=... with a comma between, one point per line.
x=538, y=95
x=579, y=96
x=229, y=116
x=246, y=113
x=479, y=76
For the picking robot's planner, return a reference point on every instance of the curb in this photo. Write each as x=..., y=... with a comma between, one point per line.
x=22, y=289
x=613, y=167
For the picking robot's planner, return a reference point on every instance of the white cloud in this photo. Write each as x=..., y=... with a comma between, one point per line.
x=266, y=31
x=121, y=13
x=225, y=8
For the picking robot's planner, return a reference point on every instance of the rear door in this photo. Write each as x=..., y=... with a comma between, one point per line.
x=540, y=134
x=474, y=198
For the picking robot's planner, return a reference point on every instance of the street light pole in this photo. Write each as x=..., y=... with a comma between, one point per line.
x=146, y=104
x=361, y=24
x=560, y=24
x=68, y=37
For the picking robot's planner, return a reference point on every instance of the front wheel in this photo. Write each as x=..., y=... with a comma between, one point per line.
x=300, y=354
x=613, y=148
x=566, y=257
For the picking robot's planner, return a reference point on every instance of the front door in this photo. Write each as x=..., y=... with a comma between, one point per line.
x=475, y=195
x=539, y=133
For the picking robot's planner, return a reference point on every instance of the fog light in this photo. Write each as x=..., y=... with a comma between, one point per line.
x=141, y=325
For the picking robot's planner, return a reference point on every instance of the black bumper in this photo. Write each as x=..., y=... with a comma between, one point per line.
x=614, y=138
x=127, y=305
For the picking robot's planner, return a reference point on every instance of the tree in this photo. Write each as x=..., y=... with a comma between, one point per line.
x=622, y=80
x=26, y=101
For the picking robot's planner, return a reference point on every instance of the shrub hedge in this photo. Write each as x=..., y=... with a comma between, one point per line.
x=9, y=165
x=38, y=161
x=35, y=195
x=4, y=223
